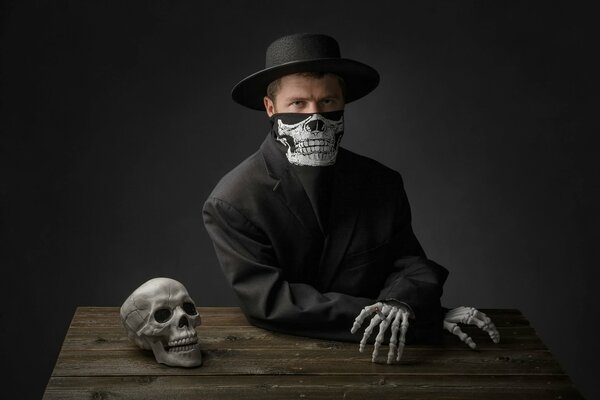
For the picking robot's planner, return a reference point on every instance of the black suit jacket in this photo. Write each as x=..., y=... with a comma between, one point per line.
x=292, y=277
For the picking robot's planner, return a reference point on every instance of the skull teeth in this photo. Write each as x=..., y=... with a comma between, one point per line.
x=184, y=341
x=178, y=349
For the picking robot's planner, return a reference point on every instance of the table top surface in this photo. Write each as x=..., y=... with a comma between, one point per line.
x=97, y=361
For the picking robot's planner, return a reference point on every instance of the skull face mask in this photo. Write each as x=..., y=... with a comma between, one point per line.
x=310, y=139
x=160, y=315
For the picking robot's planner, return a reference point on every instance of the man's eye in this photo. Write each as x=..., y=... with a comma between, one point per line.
x=296, y=103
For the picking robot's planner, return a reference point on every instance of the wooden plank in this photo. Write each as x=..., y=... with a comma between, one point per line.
x=232, y=316
x=211, y=316
x=325, y=361
x=99, y=328
x=313, y=387
x=240, y=337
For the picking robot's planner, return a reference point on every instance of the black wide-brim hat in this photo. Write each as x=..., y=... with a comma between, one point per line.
x=305, y=52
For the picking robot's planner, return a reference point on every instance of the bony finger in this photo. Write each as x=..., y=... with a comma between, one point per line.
x=489, y=327
x=495, y=335
x=378, y=342
x=357, y=322
x=364, y=313
x=391, y=352
x=467, y=339
x=383, y=326
x=455, y=329
x=375, y=352
x=394, y=338
x=355, y=326
x=485, y=323
x=400, y=350
x=368, y=331
x=402, y=339
x=492, y=331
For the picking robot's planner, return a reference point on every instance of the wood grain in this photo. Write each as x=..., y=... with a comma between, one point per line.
x=97, y=361
x=314, y=387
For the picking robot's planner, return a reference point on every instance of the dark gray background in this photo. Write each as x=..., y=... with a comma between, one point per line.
x=117, y=122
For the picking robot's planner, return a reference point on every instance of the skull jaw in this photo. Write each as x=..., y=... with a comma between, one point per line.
x=311, y=142
x=321, y=159
x=190, y=358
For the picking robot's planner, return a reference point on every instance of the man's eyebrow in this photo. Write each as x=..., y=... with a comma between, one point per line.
x=304, y=98
x=296, y=98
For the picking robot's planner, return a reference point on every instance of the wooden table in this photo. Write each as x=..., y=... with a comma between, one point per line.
x=97, y=361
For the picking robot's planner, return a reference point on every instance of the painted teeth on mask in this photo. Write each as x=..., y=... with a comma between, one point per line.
x=308, y=152
x=315, y=142
x=308, y=147
x=317, y=156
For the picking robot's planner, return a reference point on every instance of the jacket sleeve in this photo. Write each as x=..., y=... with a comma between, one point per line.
x=413, y=279
x=267, y=299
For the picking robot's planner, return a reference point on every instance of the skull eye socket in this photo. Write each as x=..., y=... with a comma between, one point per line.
x=189, y=308
x=162, y=315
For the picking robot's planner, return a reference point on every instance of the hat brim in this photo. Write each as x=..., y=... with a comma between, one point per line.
x=360, y=79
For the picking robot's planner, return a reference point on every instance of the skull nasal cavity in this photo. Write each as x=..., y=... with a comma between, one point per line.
x=315, y=125
x=183, y=321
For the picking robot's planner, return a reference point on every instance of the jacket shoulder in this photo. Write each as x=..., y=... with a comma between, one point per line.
x=243, y=183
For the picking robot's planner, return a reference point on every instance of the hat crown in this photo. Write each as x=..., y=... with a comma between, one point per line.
x=299, y=47
x=305, y=52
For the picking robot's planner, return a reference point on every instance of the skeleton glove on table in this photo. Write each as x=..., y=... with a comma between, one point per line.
x=396, y=315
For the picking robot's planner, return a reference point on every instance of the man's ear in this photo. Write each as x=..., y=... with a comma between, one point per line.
x=269, y=106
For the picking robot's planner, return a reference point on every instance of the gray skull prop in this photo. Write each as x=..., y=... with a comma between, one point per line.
x=161, y=316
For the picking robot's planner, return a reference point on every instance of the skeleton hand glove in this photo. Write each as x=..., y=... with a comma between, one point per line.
x=386, y=314
x=470, y=316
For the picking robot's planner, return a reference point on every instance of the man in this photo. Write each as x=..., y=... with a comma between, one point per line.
x=309, y=234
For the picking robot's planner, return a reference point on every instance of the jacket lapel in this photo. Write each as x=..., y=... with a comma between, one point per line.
x=345, y=203
x=345, y=206
x=288, y=187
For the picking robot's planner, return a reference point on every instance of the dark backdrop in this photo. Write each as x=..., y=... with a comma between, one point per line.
x=117, y=122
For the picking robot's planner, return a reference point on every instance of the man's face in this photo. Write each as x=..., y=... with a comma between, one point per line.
x=299, y=93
